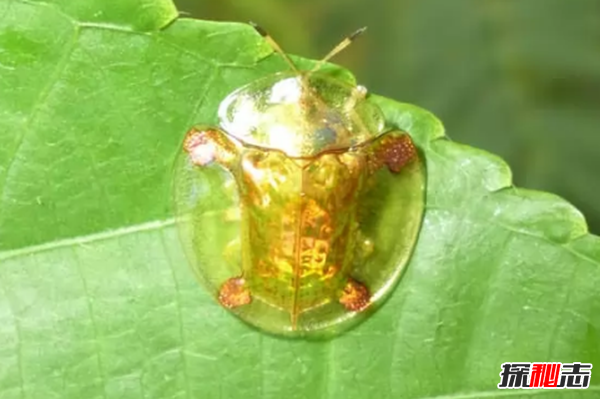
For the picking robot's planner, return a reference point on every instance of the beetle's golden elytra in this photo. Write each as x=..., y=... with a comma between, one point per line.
x=301, y=209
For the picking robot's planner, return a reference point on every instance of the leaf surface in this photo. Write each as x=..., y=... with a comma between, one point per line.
x=97, y=300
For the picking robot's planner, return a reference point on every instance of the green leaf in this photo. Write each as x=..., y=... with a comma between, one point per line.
x=96, y=298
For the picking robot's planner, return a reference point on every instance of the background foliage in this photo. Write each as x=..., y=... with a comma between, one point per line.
x=96, y=298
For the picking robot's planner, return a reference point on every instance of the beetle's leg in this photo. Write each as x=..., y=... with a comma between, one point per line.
x=356, y=296
x=359, y=93
x=233, y=293
x=208, y=144
x=394, y=149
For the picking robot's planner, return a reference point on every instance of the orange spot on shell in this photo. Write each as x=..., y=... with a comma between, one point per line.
x=200, y=147
x=233, y=293
x=355, y=297
x=398, y=151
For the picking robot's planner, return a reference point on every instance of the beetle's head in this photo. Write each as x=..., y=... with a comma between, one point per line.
x=301, y=114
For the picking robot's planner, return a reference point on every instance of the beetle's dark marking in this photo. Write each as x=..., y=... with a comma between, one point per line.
x=233, y=293
x=399, y=152
x=206, y=145
x=395, y=150
x=355, y=296
x=199, y=146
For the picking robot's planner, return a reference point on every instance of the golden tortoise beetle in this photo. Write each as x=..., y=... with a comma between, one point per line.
x=300, y=210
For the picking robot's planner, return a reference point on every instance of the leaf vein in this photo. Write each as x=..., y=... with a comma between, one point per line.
x=87, y=239
x=43, y=96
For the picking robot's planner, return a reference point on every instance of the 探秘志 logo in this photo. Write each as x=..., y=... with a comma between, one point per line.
x=519, y=375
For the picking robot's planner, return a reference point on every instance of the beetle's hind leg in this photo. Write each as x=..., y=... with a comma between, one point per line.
x=234, y=293
x=355, y=296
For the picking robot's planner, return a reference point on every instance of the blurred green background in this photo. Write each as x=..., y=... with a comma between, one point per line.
x=519, y=78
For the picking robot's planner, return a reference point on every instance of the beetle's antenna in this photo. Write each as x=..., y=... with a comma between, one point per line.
x=343, y=44
x=275, y=46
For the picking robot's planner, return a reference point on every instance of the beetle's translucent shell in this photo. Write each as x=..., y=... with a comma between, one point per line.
x=301, y=115
x=300, y=211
